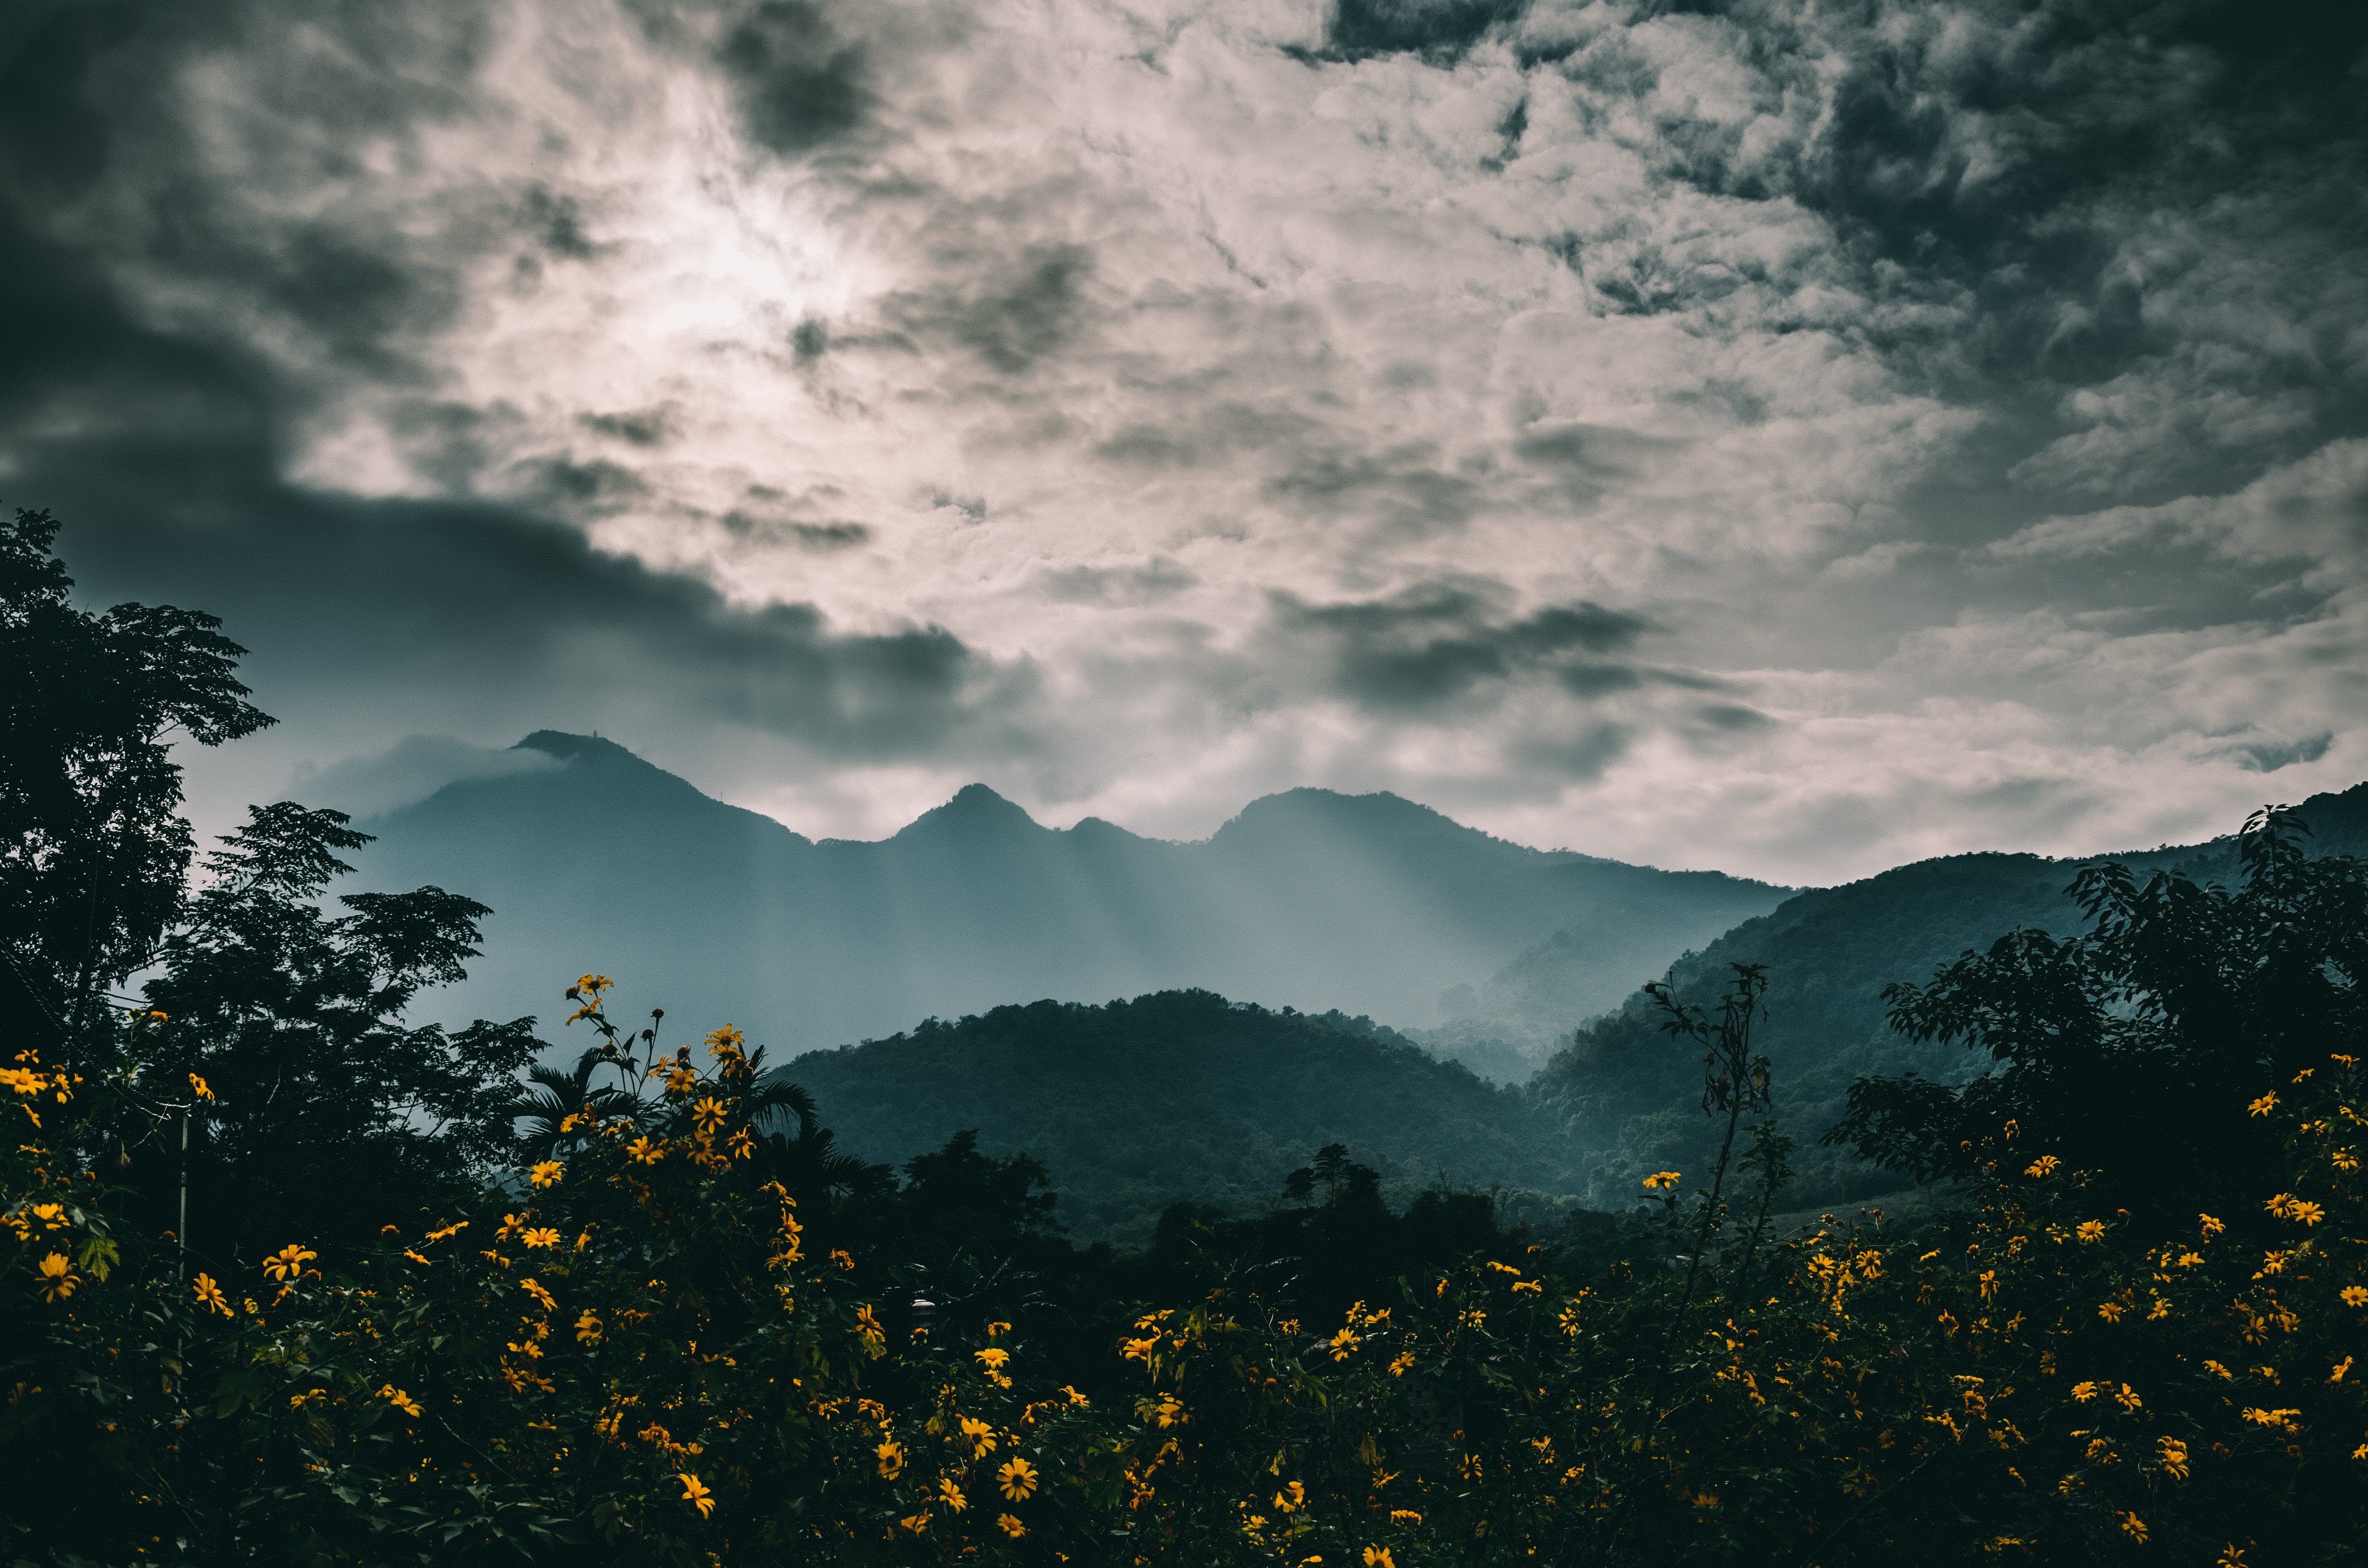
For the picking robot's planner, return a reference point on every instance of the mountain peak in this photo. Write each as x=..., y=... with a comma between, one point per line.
x=568, y=748
x=974, y=811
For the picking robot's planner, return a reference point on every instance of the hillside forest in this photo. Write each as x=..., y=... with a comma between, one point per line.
x=292, y=1276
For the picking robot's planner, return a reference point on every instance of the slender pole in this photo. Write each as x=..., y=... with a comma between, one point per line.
x=181, y=1235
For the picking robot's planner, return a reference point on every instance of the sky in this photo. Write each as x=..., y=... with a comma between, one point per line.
x=1794, y=438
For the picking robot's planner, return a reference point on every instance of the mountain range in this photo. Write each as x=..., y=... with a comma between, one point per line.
x=965, y=955
x=1368, y=905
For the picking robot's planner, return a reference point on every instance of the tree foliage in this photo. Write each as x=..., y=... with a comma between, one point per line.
x=92, y=846
x=2124, y=1048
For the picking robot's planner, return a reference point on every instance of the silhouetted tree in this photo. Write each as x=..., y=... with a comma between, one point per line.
x=94, y=851
x=2132, y=1049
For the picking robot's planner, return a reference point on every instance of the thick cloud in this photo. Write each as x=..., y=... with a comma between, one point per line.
x=1775, y=435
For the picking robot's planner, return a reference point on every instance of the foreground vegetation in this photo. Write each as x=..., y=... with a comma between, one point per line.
x=648, y=1312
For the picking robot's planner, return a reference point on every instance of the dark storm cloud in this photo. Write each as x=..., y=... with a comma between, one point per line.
x=1446, y=28
x=1402, y=491
x=1433, y=644
x=1997, y=175
x=801, y=85
x=1010, y=309
x=366, y=596
x=639, y=427
x=1154, y=580
x=344, y=600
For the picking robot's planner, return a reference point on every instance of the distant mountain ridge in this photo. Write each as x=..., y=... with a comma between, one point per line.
x=1371, y=905
x=1621, y=1090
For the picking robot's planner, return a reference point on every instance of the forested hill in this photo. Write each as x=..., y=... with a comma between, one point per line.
x=1180, y=1095
x=1368, y=903
x=1621, y=1090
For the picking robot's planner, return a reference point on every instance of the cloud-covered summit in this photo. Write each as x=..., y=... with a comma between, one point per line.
x=1795, y=437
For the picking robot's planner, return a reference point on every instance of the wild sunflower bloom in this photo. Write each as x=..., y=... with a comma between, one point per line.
x=541, y=1236
x=588, y=1327
x=2091, y=1230
x=1379, y=1557
x=892, y=1459
x=1018, y=1480
x=2263, y=1106
x=697, y=1496
x=994, y=1357
x=197, y=1088
x=57, y=1279
x=980, y=1434
x=2355, y=1295
x=952, y=1493
x=1657, y=1180
x=535, y=1288
x=2210, y=1226
x=399, y=1400
x=546, y=1173
x=645, y=1152
x=210, y=1294
x=289, y=1261
x=1009, y=1525
x=2044, y=1166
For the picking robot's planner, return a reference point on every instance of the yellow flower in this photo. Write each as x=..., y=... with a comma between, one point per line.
x=288, y=1262
x=952, y=1493
x=1379, y=1557
x=2134, y=1528
x=2044, y=1166
x=2174, y=1456
x=2084, y=1392
x=842, y=1257
x=2128, y=1396
x=892, y=1459
x=1010, y=1524
x=869, y=1325
x=981, y=1435
x=993, y=1358
x=697, y=1496
x=399, y=1400
x=535, y=1289
x=1405, y=1517
x=645, y=1152
x=2110, y=1312
x=545, y=1173
x=588, y=1328
x=210, y=1294
x=917, y=1523
x=1344, y=1343
x=57, y=1280
x=197, y=1088
x=1657, y=1180
x=2210, y=1227
x=2355, y=1296
x=2091, y=1230
x=2263, y=1106
x=541, y=1236
x=1018, y=1480
x=2305, y=1211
